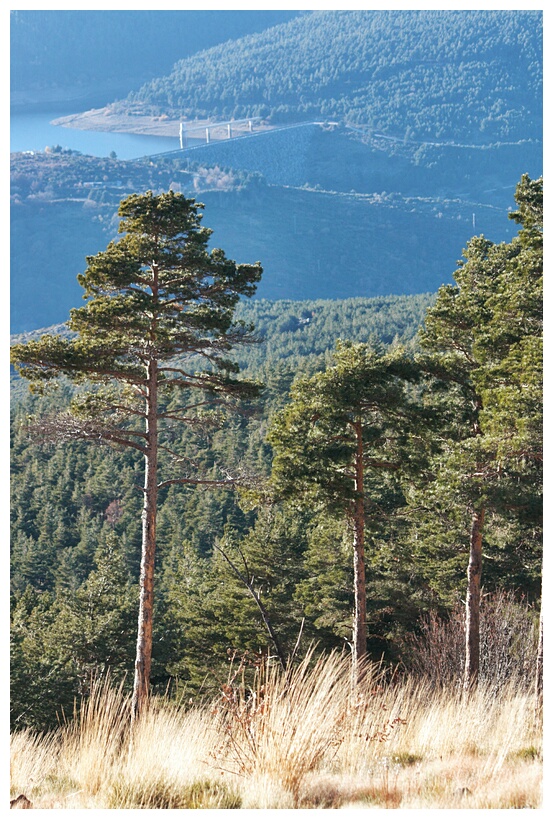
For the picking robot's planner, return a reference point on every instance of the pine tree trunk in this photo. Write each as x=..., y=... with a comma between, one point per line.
x=143, y=660
x=360, y=586
x=472, y=620
x=539, y=668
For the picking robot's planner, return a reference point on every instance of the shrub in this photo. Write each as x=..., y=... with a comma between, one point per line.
x=508, y=643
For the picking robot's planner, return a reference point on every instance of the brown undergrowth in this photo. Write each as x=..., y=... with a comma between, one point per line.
x=304, y=739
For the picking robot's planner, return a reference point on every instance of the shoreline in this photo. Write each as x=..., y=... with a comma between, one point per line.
x=103, y=119
x=110, y=121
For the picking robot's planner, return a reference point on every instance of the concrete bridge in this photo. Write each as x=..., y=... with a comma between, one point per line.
x=187, y=129
x=249, y=133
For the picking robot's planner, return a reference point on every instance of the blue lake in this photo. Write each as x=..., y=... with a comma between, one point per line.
x=33, y=132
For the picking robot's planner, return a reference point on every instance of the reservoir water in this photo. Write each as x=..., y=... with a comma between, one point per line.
x=31, y=131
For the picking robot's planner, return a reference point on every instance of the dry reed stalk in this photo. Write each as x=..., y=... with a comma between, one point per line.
x=303, y=739
x=33, y=759
x=93, y=741
x=288, y=725
x=177, y=740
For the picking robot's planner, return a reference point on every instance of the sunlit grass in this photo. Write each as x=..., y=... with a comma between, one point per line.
x=301, y=741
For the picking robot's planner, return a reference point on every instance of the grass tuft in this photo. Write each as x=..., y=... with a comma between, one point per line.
x=528, y=753
x=404, y=759
x=299, y=740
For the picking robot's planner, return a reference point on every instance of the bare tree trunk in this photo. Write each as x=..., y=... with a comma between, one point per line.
x=143, y=660
x=360, y=586
x=472, y=620
x=539, y=669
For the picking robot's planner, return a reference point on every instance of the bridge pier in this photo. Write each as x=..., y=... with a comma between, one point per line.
x=183, y=137
x=232, y=127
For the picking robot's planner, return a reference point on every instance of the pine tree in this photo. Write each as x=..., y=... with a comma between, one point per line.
x=484, y=339
x=338, y=446
x=159, y=307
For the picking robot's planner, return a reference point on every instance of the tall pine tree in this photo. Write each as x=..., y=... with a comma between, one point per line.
x=158, y=321
x=338, y=446
x=484, y=337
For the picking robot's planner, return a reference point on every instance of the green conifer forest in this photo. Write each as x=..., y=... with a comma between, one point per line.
x=276, y=409
x=444, y=394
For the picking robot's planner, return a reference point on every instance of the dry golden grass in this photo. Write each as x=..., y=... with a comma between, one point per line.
x=302, y=741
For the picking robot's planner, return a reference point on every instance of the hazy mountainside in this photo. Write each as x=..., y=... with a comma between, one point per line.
x=330, y=245
x=58, y=54
x=448, y=113
x=336, y=158
x=63, y=208
x=312, y=243
x=432, y=75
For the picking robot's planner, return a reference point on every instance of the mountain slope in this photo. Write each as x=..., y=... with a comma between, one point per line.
x=450, y=111
x=63, y=54
x=422, y=74
x=312, y=243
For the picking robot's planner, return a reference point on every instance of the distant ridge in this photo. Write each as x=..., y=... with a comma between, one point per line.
x=462, y=75
x=90, y=56
x=439, y=112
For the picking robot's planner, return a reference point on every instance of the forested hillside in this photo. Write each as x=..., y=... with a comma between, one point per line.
x=438, y=112
x=75, y=509
x=452, y=430
x=67, y=54
x=295, y=334
x=330, y=243
x=416, y=75
x=276, y=411
x=276, y=497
